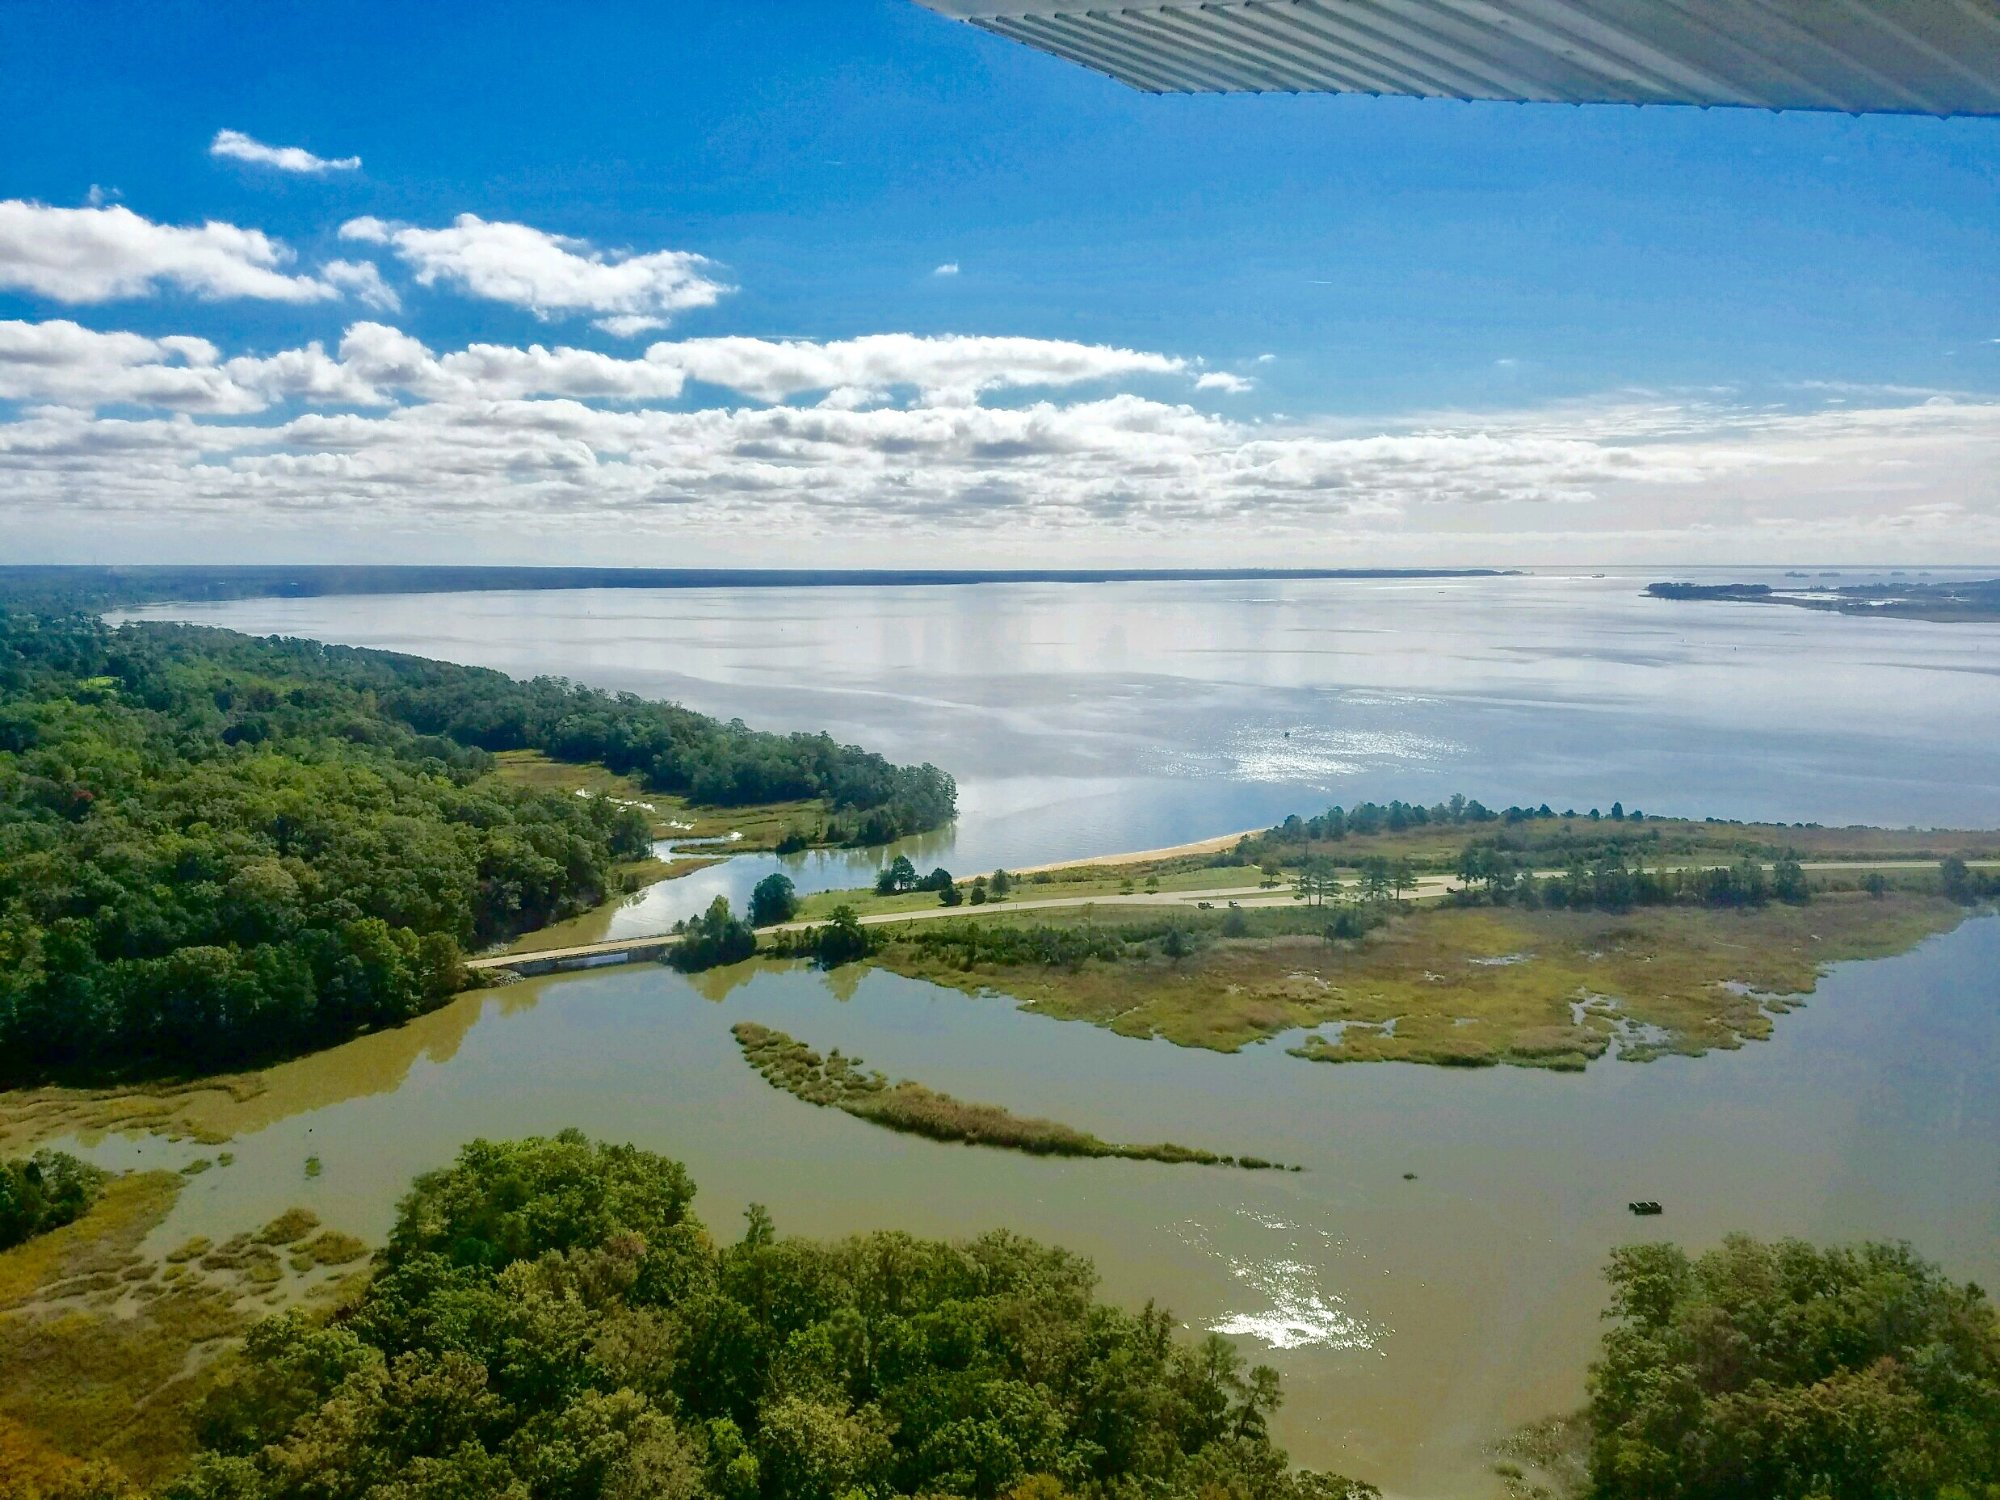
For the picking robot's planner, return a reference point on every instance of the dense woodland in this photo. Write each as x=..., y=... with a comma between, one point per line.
x=1793, y=1373
x=215, y=848
x=549, y=1319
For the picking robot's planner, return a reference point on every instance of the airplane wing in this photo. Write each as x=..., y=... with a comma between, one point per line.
x=1925, y=57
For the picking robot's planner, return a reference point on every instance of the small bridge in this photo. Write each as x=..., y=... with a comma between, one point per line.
x=582, y=956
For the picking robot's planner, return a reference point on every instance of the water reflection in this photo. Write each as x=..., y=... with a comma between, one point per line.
x=1292, y=1307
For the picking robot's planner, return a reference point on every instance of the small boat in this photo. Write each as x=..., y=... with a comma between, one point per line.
x=1645, y=1208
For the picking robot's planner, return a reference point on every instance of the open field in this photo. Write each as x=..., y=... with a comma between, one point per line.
x=761, y=825
x=1450, y=985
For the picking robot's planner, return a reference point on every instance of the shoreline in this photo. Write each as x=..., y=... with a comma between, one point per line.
x=1212, y=845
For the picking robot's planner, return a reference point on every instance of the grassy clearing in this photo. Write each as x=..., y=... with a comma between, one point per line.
x=104, y=1352
x=844, y=1084
x=761, y=825
x=1458, y=986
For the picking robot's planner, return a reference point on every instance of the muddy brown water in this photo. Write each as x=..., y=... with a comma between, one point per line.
x=1414, y=1321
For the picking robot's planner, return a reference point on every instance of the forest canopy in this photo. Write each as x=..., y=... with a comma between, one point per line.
x=550, y=1319
x=215, y=848
x=1790, y=1372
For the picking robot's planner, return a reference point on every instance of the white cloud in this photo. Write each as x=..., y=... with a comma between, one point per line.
x=948, y=369
x=362, y=279
x=78, y=255
x=629, y=325
x=1222, y=380
x=949, y=268
x=237, y=146
x=549, y=275
x=382, y=431
x=62, y=363
x=376, y=363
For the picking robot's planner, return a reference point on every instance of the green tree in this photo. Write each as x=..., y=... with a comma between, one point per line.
x=840, y=940
x=775, y=899
x=898, y=875
x=1955, y=878
x=1376, y=878
x=548, y=1318
x=1788, y=880
x=1789, y=1372
x=716, y=937
x=48, y=1190
x=1403, y=877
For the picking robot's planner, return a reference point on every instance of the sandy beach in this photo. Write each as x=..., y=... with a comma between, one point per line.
x=1144, y=856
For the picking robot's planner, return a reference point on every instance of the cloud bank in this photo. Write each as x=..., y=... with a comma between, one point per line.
x=383, y=432
x=934, y=445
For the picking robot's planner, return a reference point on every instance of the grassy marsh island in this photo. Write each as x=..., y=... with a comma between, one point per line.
x=844, y=1084
x=1452, y=935
x=1448, y=985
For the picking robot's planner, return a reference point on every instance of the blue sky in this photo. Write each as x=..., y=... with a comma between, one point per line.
x=1669, y=316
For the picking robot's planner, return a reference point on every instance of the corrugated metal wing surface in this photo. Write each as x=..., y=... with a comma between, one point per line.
x=1933, y=57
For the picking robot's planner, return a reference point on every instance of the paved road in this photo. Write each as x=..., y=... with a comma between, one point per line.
x=1242, y=895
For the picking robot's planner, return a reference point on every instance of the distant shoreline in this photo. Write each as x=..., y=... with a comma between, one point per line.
x=176, y=584
x=1943, y=602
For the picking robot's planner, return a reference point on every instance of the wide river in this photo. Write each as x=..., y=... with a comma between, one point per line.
x=1414, y=1320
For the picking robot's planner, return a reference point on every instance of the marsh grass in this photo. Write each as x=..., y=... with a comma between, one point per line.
x=843, y=1083
x=293, y=1224
x=1463, y=986
x=171, y=1110
x=104, y=1352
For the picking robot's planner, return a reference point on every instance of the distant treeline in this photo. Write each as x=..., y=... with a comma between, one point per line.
x=1977, y=599
x=215, y=849
x=1610, y=884
x=669, y=748
x=1368, y=818
x=1751, y=592
x=109, y=587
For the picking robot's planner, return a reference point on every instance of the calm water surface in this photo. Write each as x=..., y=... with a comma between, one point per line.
x=1413, y=1320
x=1081, y=719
